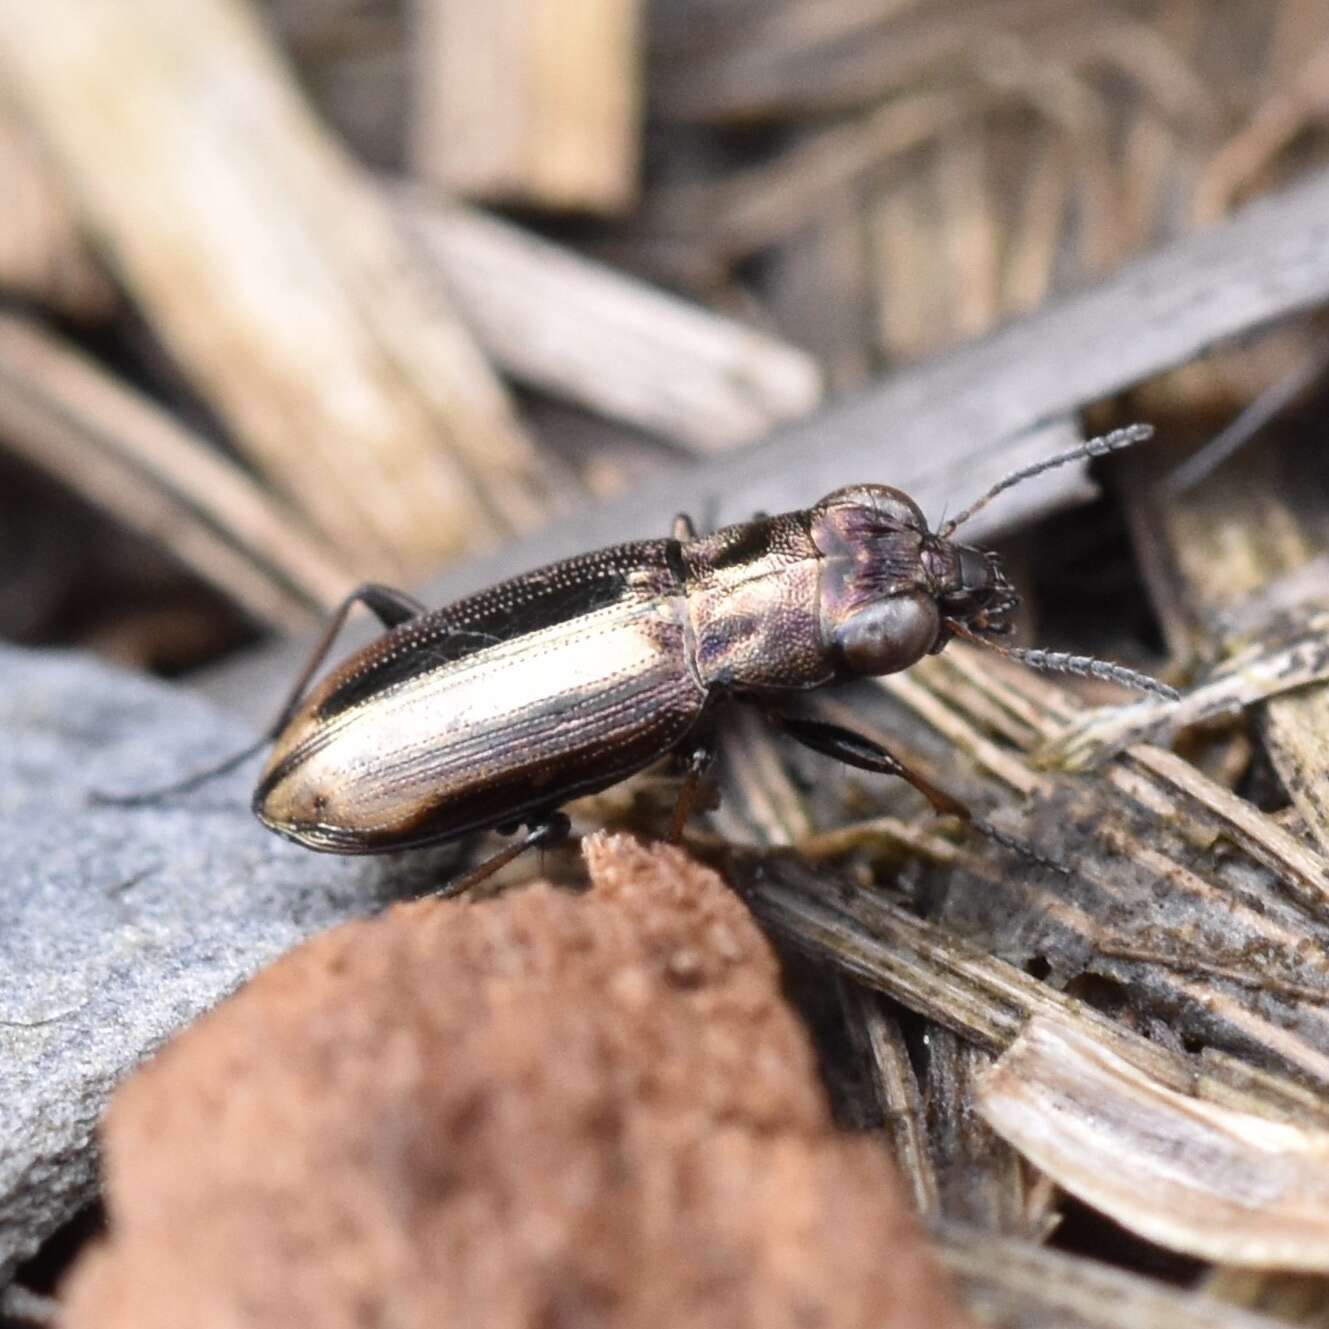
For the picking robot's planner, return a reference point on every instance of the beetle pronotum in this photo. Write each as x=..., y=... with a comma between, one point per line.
x=498, y=709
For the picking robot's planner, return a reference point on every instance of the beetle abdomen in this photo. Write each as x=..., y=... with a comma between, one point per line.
x=502, y=706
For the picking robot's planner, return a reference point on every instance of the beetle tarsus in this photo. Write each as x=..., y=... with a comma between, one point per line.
x=543, y=833
x=145, y=797
x=698, y=762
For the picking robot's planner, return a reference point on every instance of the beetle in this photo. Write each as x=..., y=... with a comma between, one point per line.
x=498, y=709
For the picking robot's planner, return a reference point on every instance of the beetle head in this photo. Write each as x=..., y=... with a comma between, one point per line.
x=892, y=591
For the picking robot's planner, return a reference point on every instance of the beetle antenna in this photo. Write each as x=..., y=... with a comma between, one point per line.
x=1095, y=447
x=1062, y=662
x=146, y=796
x=1089, y=666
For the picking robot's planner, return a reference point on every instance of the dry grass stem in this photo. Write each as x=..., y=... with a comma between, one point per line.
x=769, y=203
x=900, y=1100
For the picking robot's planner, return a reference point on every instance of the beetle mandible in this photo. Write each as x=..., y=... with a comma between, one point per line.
x=495, y=711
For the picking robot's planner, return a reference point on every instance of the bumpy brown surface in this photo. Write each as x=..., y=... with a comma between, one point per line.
x=541, y=1110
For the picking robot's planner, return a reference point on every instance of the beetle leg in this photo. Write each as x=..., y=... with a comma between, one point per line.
x=855, y=750
x=684, y=527
x=699, y=759
x=389, y=606
x=541, y=833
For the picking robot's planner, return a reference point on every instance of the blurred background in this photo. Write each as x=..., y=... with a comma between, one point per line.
x=297, y=293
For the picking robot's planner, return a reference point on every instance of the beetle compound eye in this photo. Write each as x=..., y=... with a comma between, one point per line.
x=887, y=635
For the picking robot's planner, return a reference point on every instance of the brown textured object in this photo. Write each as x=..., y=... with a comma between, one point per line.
x=537, y=1110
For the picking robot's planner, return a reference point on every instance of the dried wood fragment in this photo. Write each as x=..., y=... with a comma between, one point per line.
x=1018, y=1285
x=126, y=455
x=1305, y=588
x=273, y=271
x=563, y=134
x=1148, y=880
x=898, y=1096
x=1194, y=1177
x=981, y=1179
x=1303, y=871
x=578, y=329
x=1138, y=906
x=933, y=971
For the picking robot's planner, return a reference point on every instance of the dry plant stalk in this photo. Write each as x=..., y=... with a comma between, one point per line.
x=1218, y=1184
x=563, y=132
x=817, y=283
x=581, y=331
x=543, y=313
x=1227, y=540
x=126, y=455
x=274, y=272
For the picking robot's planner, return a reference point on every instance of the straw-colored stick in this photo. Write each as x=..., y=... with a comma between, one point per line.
x=579, y=330
x=127, y=456
x=273, y=271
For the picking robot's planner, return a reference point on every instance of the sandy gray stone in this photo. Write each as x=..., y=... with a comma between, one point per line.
x=120, y=925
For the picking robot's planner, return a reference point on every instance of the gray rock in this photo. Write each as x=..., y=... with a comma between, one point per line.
x=120, y=925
